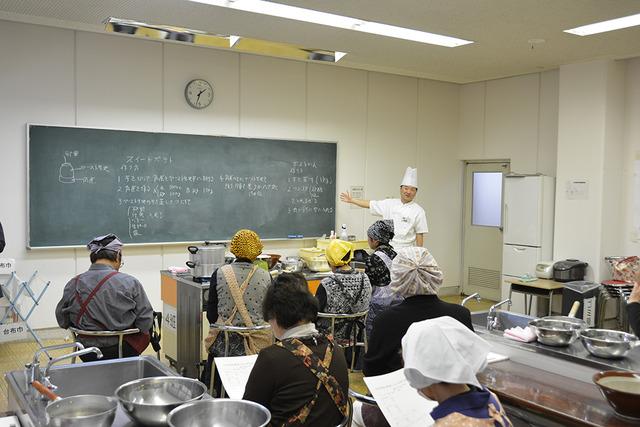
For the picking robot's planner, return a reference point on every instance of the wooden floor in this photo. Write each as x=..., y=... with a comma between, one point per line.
x=13, y=356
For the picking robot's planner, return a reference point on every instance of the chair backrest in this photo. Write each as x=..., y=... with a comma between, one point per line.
x=120, y=334
x=231, y=328
x=342, y=316
x=363, y=397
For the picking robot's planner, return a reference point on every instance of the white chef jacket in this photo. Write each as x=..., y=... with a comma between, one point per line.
x=409, y=219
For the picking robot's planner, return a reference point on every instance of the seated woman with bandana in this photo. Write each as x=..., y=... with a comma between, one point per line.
x=236, y=292
x=441, y=360
x=416, y=277
x=377, y=269
x=303, y=379
x=347, y=291
x=104, y=299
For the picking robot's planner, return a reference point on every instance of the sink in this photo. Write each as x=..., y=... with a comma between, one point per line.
x=506, y=320
x=101, y=377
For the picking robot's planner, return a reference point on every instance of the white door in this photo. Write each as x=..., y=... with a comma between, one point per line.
x=482, y=240
x=523, y=210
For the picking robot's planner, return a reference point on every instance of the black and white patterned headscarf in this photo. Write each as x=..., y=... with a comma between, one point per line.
x=382, y=231
x=98, y=244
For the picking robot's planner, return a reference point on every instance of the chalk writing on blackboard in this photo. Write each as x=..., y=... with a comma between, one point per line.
x=159, y=187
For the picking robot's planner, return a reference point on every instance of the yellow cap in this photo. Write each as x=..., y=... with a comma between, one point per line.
x=337, y=250
x=246, y=244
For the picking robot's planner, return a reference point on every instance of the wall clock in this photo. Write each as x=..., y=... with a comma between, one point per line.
x=198, y=93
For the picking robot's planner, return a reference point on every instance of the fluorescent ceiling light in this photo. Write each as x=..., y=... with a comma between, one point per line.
x=604, y=26
x=337, y=21
x=201, y=38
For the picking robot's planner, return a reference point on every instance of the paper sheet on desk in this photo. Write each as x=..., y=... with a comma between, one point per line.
x=234, y=373
x=401, y=405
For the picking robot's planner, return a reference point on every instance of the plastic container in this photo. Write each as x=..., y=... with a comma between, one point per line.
x=343, y=233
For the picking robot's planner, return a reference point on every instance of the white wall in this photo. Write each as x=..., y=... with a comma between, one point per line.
x=513, y=119
x=630, y=206
x=590, y=141
x=382, y=123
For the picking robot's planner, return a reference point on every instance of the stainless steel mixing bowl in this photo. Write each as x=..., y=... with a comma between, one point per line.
x=557, y=331
x=220, y=413
x=85, y=410
x=149, y=400
x=608, y=344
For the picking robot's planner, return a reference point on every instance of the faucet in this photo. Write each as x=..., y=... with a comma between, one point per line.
x=36, y=373
x=55, y=360
x=475, y=296
x=492, y=316
x=33, y=369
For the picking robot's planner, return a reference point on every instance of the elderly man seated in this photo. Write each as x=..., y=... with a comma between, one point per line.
x=104, y=299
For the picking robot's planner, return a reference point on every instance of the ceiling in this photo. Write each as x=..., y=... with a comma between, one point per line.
x=501, y=30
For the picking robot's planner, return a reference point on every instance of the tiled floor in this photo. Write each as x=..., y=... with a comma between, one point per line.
x=13, y=356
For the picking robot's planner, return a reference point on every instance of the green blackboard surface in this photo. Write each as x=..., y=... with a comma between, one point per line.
x=164, y=187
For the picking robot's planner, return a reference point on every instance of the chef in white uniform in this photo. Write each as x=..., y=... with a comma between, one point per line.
x=409, y=219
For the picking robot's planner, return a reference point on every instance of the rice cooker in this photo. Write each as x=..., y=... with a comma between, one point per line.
x=544, y=270
x=203, y=260
x=569, y=270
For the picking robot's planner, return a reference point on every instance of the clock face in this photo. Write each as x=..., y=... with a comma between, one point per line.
x=198, y=93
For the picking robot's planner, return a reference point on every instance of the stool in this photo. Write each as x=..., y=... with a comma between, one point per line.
x=353, y=317
x=346, y=421
x=361, y=399
x=119, y=334
x=226, y=329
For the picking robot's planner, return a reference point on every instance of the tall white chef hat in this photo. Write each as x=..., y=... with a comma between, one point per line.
x=410, y=177
x=442, y=350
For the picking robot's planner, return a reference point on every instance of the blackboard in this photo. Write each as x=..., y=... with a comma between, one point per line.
x=150, y=187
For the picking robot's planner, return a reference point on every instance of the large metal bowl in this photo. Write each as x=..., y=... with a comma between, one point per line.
x=85, y=410
x=608, y=344
x=220, y=413
x=149, y=400
x=557, y=331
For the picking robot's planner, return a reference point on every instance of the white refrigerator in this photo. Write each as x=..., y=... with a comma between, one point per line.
x=528, y=228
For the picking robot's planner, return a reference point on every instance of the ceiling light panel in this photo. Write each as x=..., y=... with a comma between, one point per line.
x=337, y=21
x=604, y=26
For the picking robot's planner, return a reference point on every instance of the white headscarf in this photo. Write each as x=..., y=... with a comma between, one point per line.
x=442, y=350
x=414, y=271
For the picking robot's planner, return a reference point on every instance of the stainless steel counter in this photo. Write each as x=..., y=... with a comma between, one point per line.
x=554, y=382
x=574, y=353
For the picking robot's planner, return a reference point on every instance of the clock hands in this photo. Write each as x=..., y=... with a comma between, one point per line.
x=200, y=93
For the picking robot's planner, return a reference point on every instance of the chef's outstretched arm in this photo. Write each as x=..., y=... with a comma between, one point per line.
x=419, y=239
x=346, y=197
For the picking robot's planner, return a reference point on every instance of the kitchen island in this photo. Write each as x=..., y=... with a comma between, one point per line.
x=551, y=386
